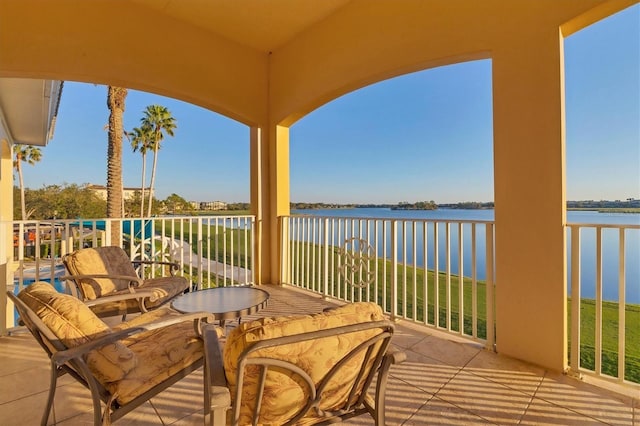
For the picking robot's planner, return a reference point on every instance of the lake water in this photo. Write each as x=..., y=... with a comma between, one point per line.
x=610, y=244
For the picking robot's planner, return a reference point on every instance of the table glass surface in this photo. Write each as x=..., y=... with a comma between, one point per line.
x=223, y=302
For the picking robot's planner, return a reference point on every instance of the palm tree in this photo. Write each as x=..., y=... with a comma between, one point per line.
x=140, y=139
x=31, y=155
x=159, y=120
x=115, y=102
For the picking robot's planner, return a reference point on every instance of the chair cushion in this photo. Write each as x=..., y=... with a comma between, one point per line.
x=161, y=353
x=109, y=260
x=74, y=323
x=283, y=396
x=164, y=288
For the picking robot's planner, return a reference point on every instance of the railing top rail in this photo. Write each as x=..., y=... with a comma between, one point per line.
x=604, y=225
x=123, y=219
x=392, y=219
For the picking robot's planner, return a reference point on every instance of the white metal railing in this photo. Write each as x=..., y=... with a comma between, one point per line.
x=211, y=250
x=605, y=325
x=436, y=273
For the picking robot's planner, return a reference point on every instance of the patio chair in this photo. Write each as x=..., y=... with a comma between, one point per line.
x=105, y=278
x=123, y=366
x=313, y=369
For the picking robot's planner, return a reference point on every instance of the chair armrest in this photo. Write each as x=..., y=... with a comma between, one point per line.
x=213, y=351
x=61, y=357
x=138, y=294
x=217, y=397
x=132, y=280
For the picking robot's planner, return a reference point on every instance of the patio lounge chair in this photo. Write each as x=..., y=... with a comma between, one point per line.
x=123, y=366
x=105, y=278
x=312, y=369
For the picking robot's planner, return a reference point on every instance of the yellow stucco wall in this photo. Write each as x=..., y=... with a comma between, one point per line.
x=6, y=230
x=135, y=47
x=361, y=43
x=529, y=188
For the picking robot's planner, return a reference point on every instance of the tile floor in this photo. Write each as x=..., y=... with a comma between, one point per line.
x=444, y=381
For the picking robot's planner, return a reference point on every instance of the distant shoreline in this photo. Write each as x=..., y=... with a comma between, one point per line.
x=632, y=210
x=625, y=210
x=320, y=206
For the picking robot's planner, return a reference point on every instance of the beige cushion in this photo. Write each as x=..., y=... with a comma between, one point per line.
x=283, y=396
x=111, y=260
x=74, y=323
x=108, y=260
x=161, y=353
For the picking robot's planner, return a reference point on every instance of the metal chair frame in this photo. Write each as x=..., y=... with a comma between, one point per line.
x=378, y=358
x=71, y=361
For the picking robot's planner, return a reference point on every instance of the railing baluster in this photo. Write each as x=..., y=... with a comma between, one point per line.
x=489, y=242
x=404, y=268
x=340, y=279
x=385, y=228
x=425, y=258
x=414, y=301
x=474, y=283
x=598, y=324
x=394, y=269
x=376, y=230
x=312, y=254
x=436, y=274
x=447, y=253
x=210, y=253
x=460, y=279
x=200, y=250
x=621, y=305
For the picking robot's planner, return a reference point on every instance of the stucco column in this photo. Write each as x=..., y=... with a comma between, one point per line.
x=6, y=234
x=529, y=165
x=269, y=197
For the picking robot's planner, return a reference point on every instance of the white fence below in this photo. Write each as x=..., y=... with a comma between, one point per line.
x=436, y=273
x=211, y=250
x=604, y=275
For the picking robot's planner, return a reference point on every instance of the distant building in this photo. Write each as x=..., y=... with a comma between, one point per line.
x=127, y=193
x=213, y=205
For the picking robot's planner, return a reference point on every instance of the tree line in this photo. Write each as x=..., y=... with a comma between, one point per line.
x=72, y=201
x=403, y=205
x=156, y=123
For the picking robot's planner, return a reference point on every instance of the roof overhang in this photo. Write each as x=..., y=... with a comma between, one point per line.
x=28, y=109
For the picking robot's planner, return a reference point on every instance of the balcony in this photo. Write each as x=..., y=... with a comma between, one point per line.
x=446, y=380
x=452, y=374
x=288, y=67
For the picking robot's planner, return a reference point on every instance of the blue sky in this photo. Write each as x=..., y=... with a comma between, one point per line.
x=422, y=136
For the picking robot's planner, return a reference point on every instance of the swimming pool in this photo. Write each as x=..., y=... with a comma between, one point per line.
x=45, y=275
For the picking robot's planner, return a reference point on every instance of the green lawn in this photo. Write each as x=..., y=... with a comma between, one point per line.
x=219, y=243
x=610, y=327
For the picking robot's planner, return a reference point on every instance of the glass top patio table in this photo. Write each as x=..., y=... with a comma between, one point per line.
x=225, y=303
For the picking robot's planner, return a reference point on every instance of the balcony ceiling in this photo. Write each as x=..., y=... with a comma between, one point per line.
x=261, y=25
x=28, y=108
